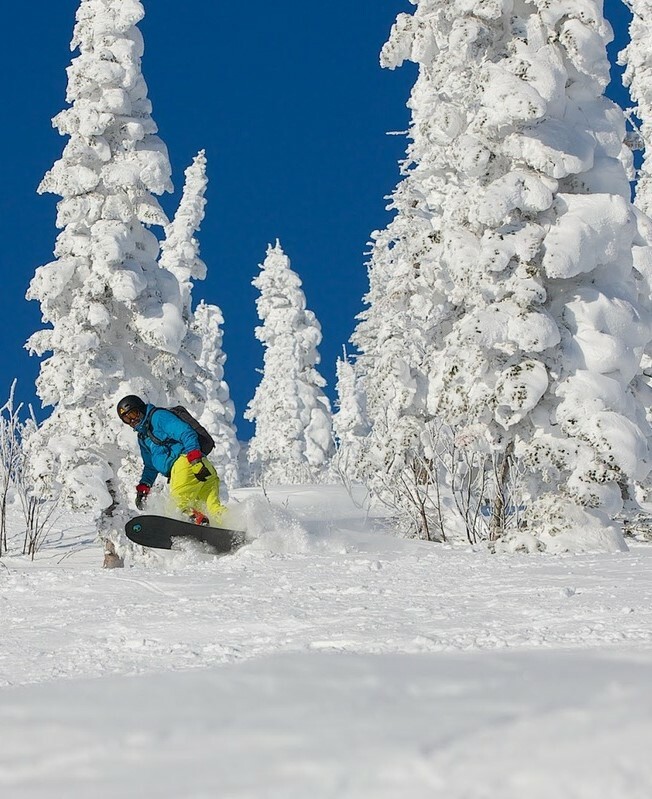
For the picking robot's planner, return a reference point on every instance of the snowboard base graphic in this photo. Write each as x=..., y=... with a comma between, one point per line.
x=159, y=532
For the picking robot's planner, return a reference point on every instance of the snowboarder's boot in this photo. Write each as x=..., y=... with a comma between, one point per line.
x=199, y=518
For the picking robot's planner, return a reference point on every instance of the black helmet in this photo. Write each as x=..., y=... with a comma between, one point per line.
x=131, y=403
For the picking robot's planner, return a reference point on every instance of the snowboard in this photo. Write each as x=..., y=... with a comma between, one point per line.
x=159, y=532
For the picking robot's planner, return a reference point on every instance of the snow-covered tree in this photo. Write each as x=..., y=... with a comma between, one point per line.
x=350, y=426
x=293, y=439
x=116, y=317
x=180, y=248
x=637, y=58
x=218, y=411
x=407, y=313
x=534, y=324
x=201, y=352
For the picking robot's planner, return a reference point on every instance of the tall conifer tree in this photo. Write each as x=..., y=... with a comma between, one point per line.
x=350, y=425
x=530, y=329
x=637, y=59
x=293, y=442
x=116, y=317
x=180, y=248
x=201, y=353
x=217, y=409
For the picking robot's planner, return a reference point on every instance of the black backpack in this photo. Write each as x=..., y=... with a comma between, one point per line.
x=206, y=442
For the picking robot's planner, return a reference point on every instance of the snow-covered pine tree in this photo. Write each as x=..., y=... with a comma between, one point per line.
x=180, y=248
x=637, y=59
x=218, y=411
x=293, y=440
x=526, y=186
x=350, y=426
x=201, y=352
x=116, y=317
x=407, y=315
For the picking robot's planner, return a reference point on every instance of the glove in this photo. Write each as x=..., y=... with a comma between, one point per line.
x=200, y=471
x=142, y=491
x=197, y=466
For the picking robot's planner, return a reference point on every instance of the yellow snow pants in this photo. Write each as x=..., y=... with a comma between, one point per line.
x=188, y=493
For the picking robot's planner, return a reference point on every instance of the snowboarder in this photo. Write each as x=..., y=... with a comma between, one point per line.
x=170, y=446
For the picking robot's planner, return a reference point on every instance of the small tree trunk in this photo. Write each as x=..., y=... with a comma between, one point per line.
x=111, y=558
x=498, y=517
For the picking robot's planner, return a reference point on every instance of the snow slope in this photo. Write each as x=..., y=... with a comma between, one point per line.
x=325, y=659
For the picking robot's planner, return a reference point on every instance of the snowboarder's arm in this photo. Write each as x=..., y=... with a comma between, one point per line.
x=175, y=428
x=168, y=426
x=149, y=474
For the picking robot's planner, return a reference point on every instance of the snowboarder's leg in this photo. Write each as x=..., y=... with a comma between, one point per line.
x=188, y=493
x=209, y=495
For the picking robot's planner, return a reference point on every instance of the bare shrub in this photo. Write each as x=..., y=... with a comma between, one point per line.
x=10, y=457
x=441, y=485
x=39, y=511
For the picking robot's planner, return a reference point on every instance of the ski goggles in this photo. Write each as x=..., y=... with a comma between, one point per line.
x=131, y=417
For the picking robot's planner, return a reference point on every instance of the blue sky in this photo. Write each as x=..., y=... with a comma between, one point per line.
x=288, y=100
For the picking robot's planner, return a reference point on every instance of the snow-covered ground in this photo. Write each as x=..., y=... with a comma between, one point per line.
x=324, y=659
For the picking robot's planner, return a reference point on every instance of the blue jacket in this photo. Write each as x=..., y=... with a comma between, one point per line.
x=177, y=438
